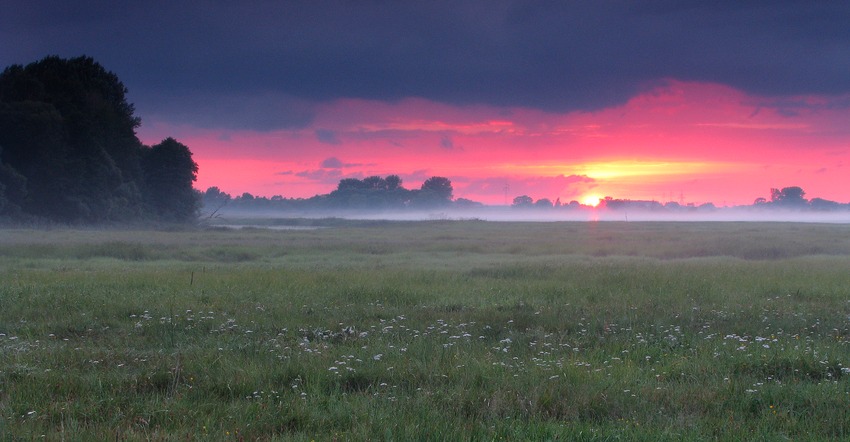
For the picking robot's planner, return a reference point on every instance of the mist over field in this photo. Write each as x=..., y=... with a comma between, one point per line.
x=226, y=216
x=377, y=198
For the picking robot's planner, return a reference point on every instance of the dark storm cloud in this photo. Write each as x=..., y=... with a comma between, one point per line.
x=795, y=106
x=217, y=108
x=207, y=57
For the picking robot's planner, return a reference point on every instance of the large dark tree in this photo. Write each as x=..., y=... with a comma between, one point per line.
x=66, y=126
x=12, y=190
x=68, y=144
x=169, y=173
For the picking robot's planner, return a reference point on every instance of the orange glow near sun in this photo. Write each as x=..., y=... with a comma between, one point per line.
x=643, y=169
x=590, y=200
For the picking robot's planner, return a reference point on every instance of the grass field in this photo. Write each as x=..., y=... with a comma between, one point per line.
x=442, y=330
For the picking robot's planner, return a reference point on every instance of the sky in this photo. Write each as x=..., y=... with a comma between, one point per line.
x=688, y=101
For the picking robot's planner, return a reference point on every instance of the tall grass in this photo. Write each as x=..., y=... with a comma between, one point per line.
x=427, y=331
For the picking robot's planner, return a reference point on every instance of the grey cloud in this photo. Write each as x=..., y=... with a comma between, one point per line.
x=446, y=142
x=321, y=175
x=261, y=112
x=791, y=107
x=336, y=163
x=327, y=136
x=331, y=163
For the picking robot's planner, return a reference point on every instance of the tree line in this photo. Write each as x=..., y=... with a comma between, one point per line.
x=370, y=193
x=788, y=198
x=377, y=193
x=794, y=197
x=69, y=151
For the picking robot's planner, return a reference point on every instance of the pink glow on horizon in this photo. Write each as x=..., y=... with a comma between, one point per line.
x=705, y=142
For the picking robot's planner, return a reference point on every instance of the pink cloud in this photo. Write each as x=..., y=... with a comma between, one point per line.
x=706, y=141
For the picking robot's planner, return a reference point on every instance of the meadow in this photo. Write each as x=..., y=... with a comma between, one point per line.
x=432, y=330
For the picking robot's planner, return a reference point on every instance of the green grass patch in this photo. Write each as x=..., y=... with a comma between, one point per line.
x=427, y=331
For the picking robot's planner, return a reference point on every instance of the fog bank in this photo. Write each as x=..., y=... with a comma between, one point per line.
x=230, y=216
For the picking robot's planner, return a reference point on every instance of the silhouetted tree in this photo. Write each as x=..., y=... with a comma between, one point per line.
x=371, y=192
x=824, y=204
x=348, y=184
x=374, y=183
x=12, y=191
x=169, y=173
x=213, y=200
x=523, y=201
x=439, y=186
x=72, y=136
x=435, y=191
x=68, y=134
x=543, y=203
x=393, y=182
x=788, y=196
x=213, y=196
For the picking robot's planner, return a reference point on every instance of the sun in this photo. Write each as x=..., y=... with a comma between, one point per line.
x=590, y=200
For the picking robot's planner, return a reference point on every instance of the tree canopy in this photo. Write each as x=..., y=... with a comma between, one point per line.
x=378, y=192
x=788, y=196
x=69, y=151
x=370, y=193
x=523, y=201
x=439, y=186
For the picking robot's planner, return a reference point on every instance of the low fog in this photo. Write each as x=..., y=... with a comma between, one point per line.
x=237, y=216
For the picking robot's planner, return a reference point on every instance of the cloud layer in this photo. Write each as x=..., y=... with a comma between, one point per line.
x=262, y=65
x=702, y=100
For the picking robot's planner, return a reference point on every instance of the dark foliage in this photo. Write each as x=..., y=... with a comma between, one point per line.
x=370, y=193
x=788, y=197
x=69, y=151
x=169, y=173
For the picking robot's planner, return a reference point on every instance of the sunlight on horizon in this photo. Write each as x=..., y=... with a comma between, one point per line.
x=642, y=168
x=591, y=200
